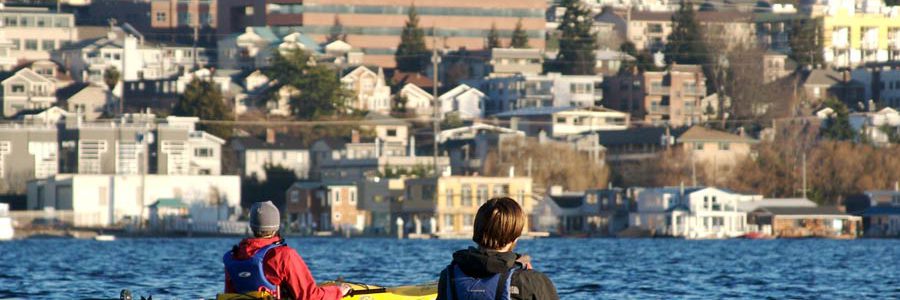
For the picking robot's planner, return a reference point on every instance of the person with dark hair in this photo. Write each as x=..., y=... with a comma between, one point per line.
x=492, y=270
x=265, y=264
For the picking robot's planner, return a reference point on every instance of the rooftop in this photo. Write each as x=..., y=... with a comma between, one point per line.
x=802, y=211
x=703, y=134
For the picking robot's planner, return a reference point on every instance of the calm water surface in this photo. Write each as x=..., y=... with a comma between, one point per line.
x=580, y=268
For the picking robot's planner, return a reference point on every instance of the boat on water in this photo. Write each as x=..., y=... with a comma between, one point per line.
x=105, y=238
x=6, y=226
x=425, y=291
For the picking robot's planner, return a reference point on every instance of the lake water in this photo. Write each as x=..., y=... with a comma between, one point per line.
x=580, y=268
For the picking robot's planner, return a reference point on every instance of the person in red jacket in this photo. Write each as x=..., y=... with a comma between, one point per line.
x=265, y=263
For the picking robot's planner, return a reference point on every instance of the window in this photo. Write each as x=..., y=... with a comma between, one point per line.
x=482, y=194
x=10, y=21
x=501, y=190
x=44, y=21
x=295, y=196
x=61, y=22
x=336, y=197
x=698, y=146
x=724, y=146
x=160, y=16
x=18, y=88
x=448, y=222
x=48, y=45
x=449, y=200
x=466, y=196
x=560, y=120
x=26, y=21
x=352, y=199
x=392, y=132
x=468, y=220
x=655, y=28
x=16, y=44
x=203, y=152
x=378, y=198
x=117, y=56
x=580, y=88
x=31, y=44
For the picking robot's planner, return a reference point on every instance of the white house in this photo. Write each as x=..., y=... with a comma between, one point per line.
x=418, y=101
x=107, y=200
x=564, y=121
x=877, y=126
x=508, y=92
x=369, y=90
x=26, y=90
x=695, y=213
x=253, y=48
x=254, y=155
x=464, y=101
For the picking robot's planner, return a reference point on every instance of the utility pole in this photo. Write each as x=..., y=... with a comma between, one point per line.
x=804, y=175
x=435, y=61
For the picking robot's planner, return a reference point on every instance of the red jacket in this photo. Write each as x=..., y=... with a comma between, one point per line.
x=284, y=268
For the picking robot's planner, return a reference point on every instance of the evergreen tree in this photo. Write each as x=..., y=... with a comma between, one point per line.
x=686, y=44
x=337, y=31
x=643, y=59
x=806, y=42
x=320, y=90
x=837, y=126
x=203, y=99
x=412, y=55
x=493, y=38
x=519, y=37
x=577, y=43
x=892, y=2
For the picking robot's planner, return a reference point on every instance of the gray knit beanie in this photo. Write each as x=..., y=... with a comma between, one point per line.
x=264, y=216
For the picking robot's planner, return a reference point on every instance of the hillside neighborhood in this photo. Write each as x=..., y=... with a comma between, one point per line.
x=623, y=118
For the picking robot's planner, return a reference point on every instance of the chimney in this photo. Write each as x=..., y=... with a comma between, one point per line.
x=270, y=135
x=354, y=136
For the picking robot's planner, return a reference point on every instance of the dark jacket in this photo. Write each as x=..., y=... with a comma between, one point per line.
x=530, y=284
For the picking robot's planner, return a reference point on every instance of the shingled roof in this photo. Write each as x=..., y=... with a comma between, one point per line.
x=703, y=134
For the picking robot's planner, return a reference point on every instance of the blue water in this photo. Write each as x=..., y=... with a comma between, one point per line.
x=580, y=268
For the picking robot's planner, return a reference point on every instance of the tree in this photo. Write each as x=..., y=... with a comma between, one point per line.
x=577, y=43
x=320, y=92
x=643, y=59
x=837, y=126
x=337, y=31
x=111, y=78
x=203, y=99
x=552, y=163
x=686, y=44
x=493, y=38
x=399, y=104
x=412, y=55
x=278, y=180
x=519, y=37
x=806, y=42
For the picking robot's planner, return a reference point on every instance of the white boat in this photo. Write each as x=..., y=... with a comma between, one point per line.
x=105, y=238
x=6, y=226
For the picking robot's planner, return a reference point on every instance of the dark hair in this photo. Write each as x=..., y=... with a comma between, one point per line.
x=499, y=222
x=264, y=233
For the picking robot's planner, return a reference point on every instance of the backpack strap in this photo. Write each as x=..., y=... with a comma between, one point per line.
x=504, y=283
x=451, y=287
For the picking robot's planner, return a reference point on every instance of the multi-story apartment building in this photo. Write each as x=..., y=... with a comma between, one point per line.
x=132, y=145
x=326, y=206
x=856, y=35
x=674, y=96
x=175, y=14
x=651, y=29
x=446, y=206
x=550, y=90
x=375, y=26
x=35, y=33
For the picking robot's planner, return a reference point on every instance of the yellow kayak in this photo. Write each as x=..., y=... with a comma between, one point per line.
x=425, y=291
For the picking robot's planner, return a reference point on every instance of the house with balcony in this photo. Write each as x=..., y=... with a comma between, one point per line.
x=510, y=92
x=564, y=121
x=858, y=34
x=368, y=89
x=692, y=213
x=253, y=49
x=674, y=97
x=26, y=90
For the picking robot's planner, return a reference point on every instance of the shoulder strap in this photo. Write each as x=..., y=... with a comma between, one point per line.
x=504, y=283
x=261, y=253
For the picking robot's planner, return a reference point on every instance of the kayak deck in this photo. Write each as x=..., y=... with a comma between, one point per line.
x=425, y=291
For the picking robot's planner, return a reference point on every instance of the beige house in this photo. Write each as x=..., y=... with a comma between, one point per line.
x=90, y=100
x=718, y=150
x=674, y=96
x=26, y=90
x=651, y=29
x=446, y=206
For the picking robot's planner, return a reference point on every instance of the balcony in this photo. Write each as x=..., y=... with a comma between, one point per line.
x=659, y=90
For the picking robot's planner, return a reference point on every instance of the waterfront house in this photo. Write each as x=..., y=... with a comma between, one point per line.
x=614, y=206
x=882, y=221
x=802, y=222
x=696, y=212
x=120, y=200
x=445, y=206
x=591, y=212
x=327, y=206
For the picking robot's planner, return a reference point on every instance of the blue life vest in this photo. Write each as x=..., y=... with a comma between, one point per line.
x=247, y=275
x=464, y=287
